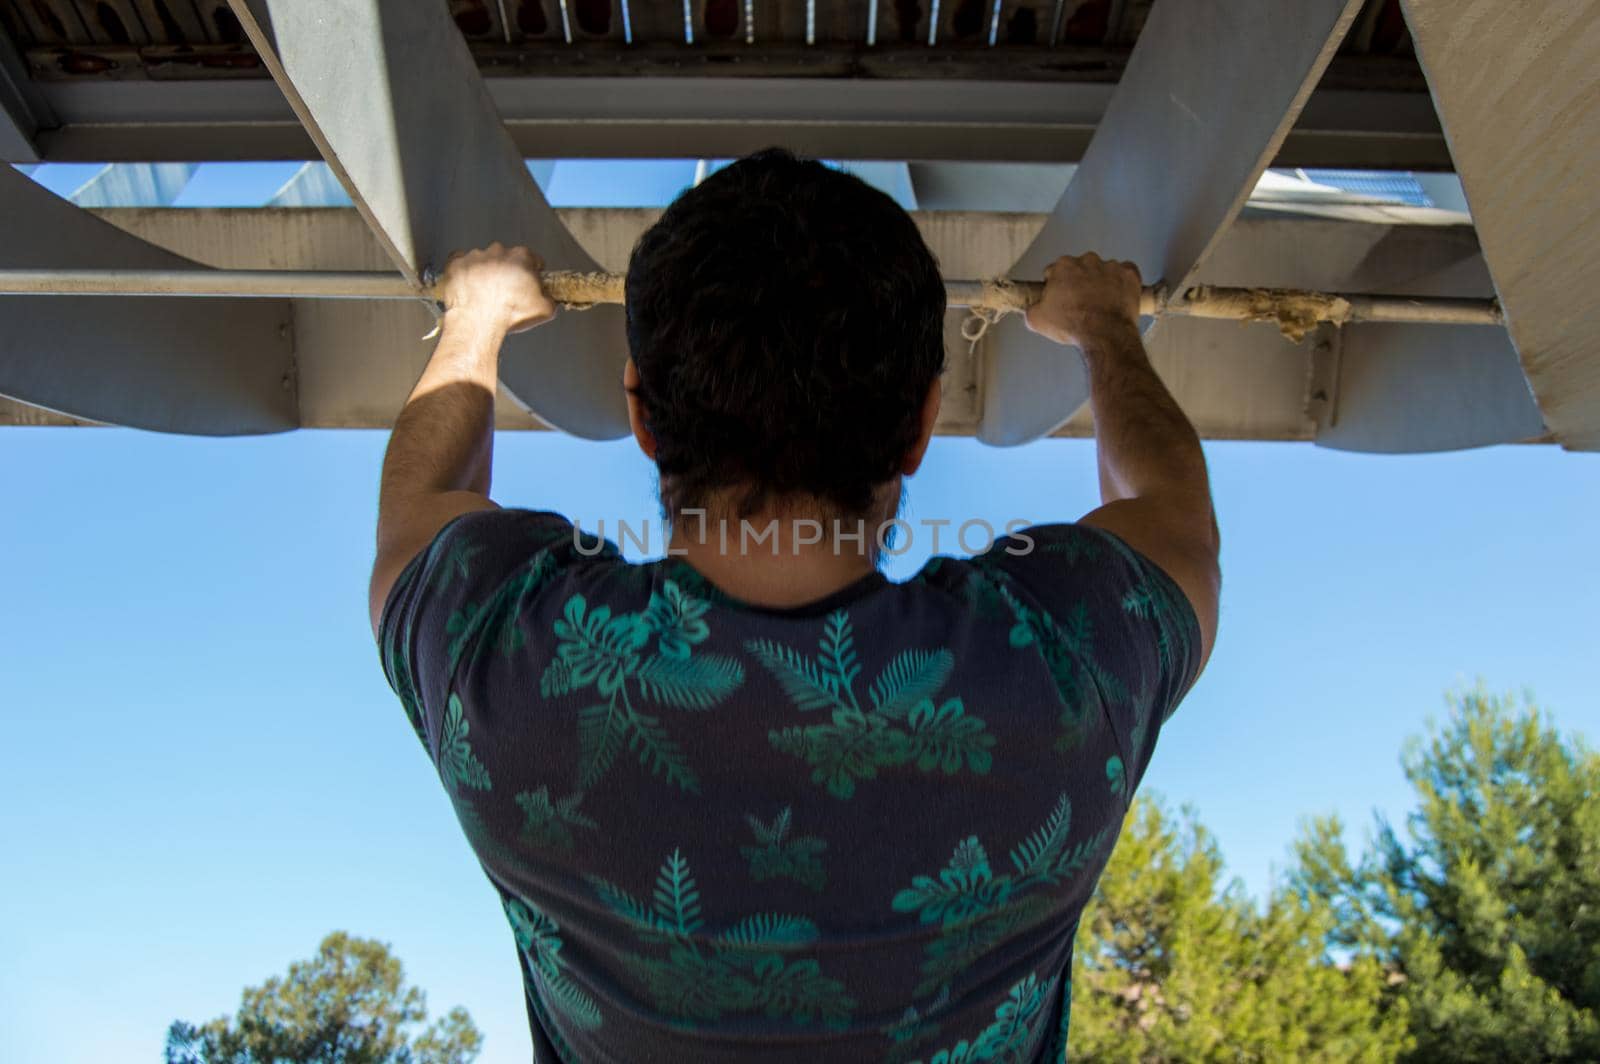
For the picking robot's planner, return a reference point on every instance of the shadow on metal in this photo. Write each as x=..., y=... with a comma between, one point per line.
x=395, y=104
x=212, y=367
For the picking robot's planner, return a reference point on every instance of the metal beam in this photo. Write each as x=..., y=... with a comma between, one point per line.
x=210, y=367
x=1293, y=311
x=1408, y=389
x=666, y=56
x=1374, y=388
x=313, y=185
x=1171, y=165
x=1031, y=187
x=720, y=117
x=22, y=111
x=1388, y=389
x=1380, y=389
x=355, y=361
x=135, y=185
x=394, y=102
x=1519, y=96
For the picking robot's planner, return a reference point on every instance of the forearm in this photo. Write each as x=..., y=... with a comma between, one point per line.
x=444, y=438
x=438, y=464
x=1146, y=445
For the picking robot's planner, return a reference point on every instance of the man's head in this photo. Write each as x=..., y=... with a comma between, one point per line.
x=786, y=326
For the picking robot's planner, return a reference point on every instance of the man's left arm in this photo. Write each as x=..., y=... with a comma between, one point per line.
x=441, y=452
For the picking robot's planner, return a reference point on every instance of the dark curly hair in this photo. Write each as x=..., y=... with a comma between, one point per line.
x=786, y=321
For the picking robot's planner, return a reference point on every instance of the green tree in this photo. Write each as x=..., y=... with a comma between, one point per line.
x=1173, y=964
x=347, y=1005
x=1488, y=910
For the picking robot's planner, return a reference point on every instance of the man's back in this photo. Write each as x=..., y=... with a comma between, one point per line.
x=861, y=829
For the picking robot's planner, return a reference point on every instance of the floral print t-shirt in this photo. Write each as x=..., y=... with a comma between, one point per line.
x=859, y=830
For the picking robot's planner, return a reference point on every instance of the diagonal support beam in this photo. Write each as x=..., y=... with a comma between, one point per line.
x=208, y=367
x=136, y=185
x=1518, y=94
x=1388, y=388
x=1403, y=389
x=1209, y=93
x=22, y=111
x=393, y=100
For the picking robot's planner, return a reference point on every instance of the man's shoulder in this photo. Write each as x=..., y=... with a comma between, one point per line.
x=1024, y=555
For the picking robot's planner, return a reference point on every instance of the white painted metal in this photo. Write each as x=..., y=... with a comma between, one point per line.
x=966, y=186
x=1263, y=249
x=715, y=117
x=586, y=290
x=356, y=360
x=16, y=135
x=1395, y=389
x=313, y=185
x=1517, y=88
x=21, y=110
x=892, y=179
x=135, y=185
x=1235, y=382
x=199, y=282
x=1170, y=166
x=396, y=106
x=213, y=367
x=1405, y=389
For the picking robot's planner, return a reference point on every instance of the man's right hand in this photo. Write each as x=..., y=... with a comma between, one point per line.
x=1085, y=297
x=1157, y=498
x=498, y=286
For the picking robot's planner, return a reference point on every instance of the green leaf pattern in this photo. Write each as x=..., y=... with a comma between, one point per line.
x=547, y=824
x=1011, y=1036
x=495, y=622
x=1117, y=777
x=975, y=908
x=910, y=678
x=458, y=563
x=460, y=767
x=901, y=726
x=1159, y=602
x=613, y=655
x=539, y=939
x=676, y=618
x=1067, y=646
x=752, y=967
x=777, y=854
x=397, y=665
x=913, y=1028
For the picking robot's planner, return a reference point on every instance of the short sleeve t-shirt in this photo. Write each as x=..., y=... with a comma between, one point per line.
x=859, y=830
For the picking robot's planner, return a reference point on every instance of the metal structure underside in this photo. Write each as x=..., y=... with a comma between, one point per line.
x=1021, y=80
x=1170, y=111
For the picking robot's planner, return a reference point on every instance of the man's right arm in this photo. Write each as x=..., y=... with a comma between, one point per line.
x=1154, y=489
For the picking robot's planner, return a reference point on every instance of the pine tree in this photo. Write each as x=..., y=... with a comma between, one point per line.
x=1488, y=910
x=1174, y=964
x=347, y=1005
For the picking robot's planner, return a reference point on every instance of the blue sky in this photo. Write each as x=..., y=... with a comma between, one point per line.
x=208, y=772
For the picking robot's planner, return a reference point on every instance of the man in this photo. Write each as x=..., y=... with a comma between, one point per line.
x=753, y=800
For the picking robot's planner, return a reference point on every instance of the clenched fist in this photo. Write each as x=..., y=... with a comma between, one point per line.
x=1084, y=297
x=496, y=286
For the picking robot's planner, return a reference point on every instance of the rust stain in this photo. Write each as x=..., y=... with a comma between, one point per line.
x=82, y=63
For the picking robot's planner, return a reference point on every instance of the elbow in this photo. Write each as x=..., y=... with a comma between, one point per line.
x=1193, y=512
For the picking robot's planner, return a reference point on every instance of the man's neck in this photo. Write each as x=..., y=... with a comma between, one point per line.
x=775, y=559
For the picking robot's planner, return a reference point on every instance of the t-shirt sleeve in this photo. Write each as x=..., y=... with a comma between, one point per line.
x=464, y=594
x=1105, y=616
